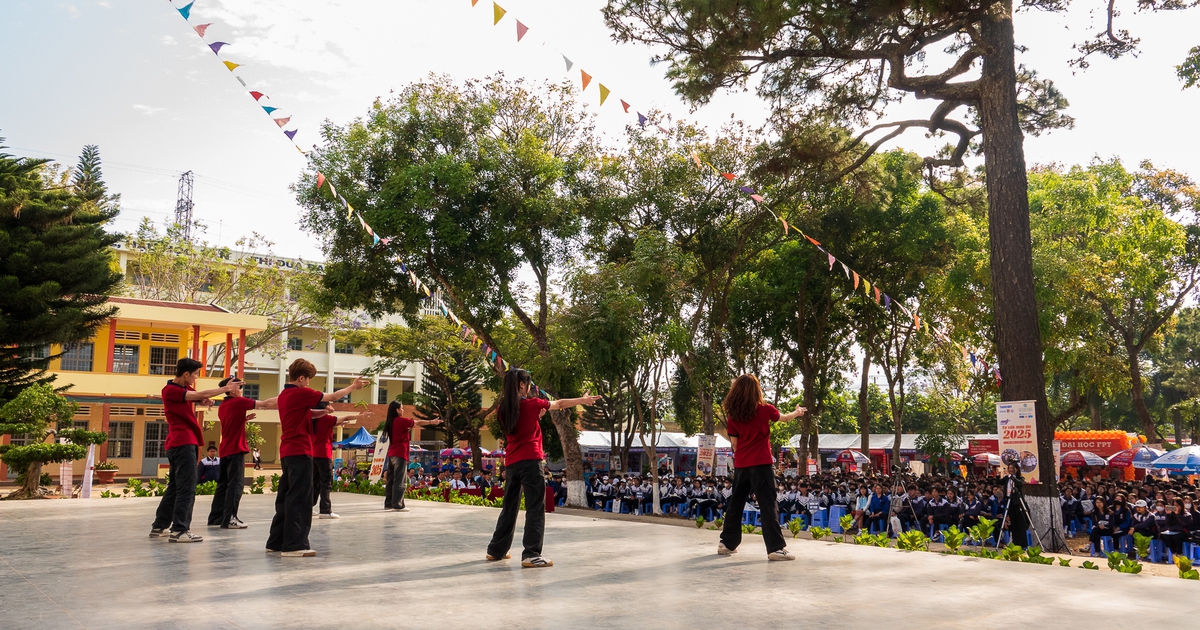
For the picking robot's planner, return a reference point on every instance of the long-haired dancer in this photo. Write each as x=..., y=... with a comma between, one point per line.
x=518, y=415
x=399, y=432
x=749, y=420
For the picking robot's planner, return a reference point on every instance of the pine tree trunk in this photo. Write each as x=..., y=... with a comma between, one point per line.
x=1018, y=338
x=1139, y=401
x=1094, y=410
x=864, y=409
x=706, y=412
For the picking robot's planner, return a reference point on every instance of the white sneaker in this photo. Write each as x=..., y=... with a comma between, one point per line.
x=537, y=562
x=301, y=553
x=403, y=509
x=722, y=550
x=330, y=515
x=185, y=537
x=160, y=533
x=782, y=554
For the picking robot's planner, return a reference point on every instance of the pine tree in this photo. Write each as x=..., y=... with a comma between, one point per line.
x=453, y=395
x=56, y=265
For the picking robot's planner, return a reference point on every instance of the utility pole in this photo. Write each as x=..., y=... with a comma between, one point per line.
x=183, y=207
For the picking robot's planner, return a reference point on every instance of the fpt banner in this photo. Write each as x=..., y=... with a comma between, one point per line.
x=706, y=450
x=379, y=459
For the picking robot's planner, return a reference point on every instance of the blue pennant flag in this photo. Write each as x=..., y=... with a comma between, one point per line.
x=641, y=119
x=186, y=12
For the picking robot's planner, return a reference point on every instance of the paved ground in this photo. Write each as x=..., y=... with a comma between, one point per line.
x=69, y=564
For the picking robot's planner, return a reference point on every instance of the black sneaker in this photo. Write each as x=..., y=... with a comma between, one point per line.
x=185, y=537
x=537, y=562
x=160, y=532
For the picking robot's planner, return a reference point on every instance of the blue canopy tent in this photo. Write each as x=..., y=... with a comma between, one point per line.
x=362, y=439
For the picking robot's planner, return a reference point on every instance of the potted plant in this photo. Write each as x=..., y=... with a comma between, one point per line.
x=106, y=472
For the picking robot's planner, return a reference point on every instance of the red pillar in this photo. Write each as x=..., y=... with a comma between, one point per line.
x=228, y=354
x=196, y=342
x=204, y=358
x=242, y=353
x=112, y=344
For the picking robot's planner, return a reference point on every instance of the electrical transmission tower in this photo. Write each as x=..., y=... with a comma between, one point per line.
x=183, y=207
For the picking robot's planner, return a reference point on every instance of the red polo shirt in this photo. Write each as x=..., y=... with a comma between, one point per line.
x=322, y=440
x=525, y=442
x=754, y=437
x=401, y=437
x=182, y=426
x=232, y=412
x=295, y=420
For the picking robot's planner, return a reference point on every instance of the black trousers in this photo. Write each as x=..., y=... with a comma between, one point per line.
x=522, y=477
x=397, y=481
x=293, y=505
x=175, y=508
x=322, y=483
x=759, y=480
x=229, y=490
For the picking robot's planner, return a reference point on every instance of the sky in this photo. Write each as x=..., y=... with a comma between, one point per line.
x=133, y=77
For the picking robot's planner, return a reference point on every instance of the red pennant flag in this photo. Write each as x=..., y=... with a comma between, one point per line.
x=814, y=242
x=587, y=78
x=258, y=95
x=625, y=106
x=201, y=28
x=877, y=294
x=320, y=180
x=521, y=30
x=729, y=176
x=855, y=279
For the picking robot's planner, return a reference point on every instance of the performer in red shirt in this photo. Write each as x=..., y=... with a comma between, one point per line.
x=749, y=420
x=322, y=452
x=398, y=431
x=184, y=438
x=232, y=451
x=518, y=416
x=293, y=500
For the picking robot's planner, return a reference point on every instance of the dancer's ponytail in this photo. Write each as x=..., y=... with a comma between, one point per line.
x=508, y=412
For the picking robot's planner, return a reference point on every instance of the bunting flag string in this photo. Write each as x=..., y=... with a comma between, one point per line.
x=851, y=274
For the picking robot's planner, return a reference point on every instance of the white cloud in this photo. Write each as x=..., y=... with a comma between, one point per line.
x=147, y=110
x=167, y=40
x=104, y=4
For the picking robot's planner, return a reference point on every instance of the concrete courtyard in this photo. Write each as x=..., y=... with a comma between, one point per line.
x=70, y=564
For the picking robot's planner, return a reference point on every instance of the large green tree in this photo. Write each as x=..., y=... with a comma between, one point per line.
x=474, y=184
x=56, y=268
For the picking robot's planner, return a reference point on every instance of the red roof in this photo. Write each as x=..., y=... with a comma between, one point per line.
x=211, y=308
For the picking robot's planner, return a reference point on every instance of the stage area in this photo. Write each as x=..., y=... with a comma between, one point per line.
x=71, y=564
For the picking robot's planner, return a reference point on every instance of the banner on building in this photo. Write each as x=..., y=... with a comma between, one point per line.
x=1017, y=425
x=979, y=447
x=379, y=459
x=705, y=453
x=1103, y=447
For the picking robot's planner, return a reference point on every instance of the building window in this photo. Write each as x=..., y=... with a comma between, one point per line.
x=342, y=348
x=38, y=352
x=407, y=387
x=383, y=397
x=80, y=424
x=156, y=436
x=120, y=439
x=250, y=390
x=295, y=343
x=19, y=439
x=77, y=357
x=125, y=359
x=163, y=360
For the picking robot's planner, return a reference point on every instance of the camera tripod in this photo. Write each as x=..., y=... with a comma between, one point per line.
x=1055, y=537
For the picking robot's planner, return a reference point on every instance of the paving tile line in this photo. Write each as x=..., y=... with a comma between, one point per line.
x=101, y=562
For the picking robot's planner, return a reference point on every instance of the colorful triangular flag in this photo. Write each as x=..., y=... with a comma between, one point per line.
x=521, y=30
x=831, y=259
x=291, y=134
x=785, y=225
x=586, y=78
x=696, y=158
x=333, y=191
x=812, y=240
x=625, y=106
x=258, y=95
x=846, y=269
x=570, y=64
x=320, y=180
x=758, y=198
x=866, y=287
x=855, y=280
x=216, y=47
x=201, y=28
x=877, y=294
x=729, y=176
x=281, y=121
x=642, y=120
x=887, y=302
x=186, y=11
x=497, y=13
x=269, y=109
x=231, y=65
x=603, y=93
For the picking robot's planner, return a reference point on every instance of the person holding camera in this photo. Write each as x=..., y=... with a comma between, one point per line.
x=1016, y=521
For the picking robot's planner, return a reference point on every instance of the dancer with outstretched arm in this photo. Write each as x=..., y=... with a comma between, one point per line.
x=748, y=420
x=523, y=457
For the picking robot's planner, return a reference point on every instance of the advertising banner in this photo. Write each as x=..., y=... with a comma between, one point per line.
x=978, y=447
x=705, y=452
x=722, y=469
x=379, y=459
x=1017, y=425
x=1101, y=447
x=85, y=488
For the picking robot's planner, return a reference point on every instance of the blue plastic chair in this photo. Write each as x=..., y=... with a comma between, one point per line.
x=821, y=518
x=1127, y=547
x=836, y=513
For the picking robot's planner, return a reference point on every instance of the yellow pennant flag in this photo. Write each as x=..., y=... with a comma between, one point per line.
x=927, y=327
x=866, y=287
x=498, y=13
x=231, y=65
x=349, y=211
x=603, y=93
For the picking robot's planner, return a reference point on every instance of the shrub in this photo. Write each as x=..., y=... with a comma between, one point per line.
x=914, y=540
x=258, y=485
x=795, y=526
x=953, y=538
x=1034, y=556
x=1064, y=562
x=1186, y=572
x=847, y=521
x=1013, y=553
x=105, y=466
x=1141, y=545
x=989, y=553
x=983, y=530
x=1088, y=564
x=719, y=523
x=819, y=532
x=208, y=487
x=700, y=522
x=881, y=540
x=275, y=483
x=748, y=529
